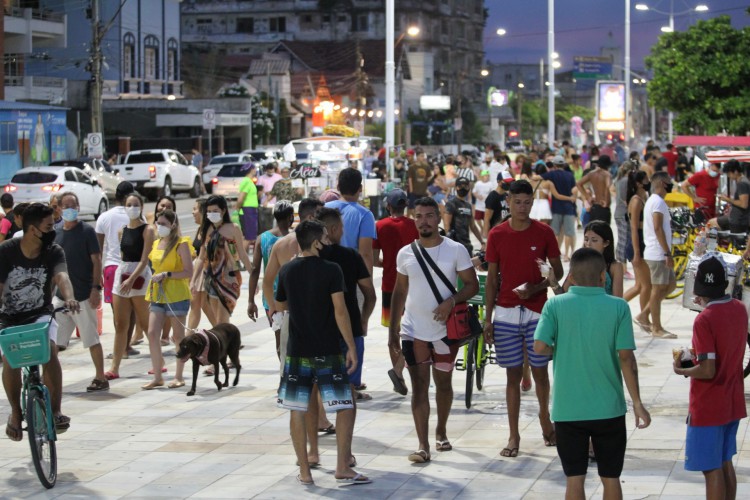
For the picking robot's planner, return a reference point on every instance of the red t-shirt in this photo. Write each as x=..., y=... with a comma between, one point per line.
x=394, y=233
x=706, y=188
x=720, y=331
x=516, y=253
x=671, y=157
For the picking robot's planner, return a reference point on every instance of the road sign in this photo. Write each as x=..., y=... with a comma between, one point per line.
x=94, y=145
x=209, y=119
x=592, y=68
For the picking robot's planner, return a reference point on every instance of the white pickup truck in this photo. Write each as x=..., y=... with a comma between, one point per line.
x=158, y=172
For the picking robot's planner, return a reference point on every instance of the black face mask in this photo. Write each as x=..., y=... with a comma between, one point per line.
x=668, y=187
x=462, y=192
x=47, y=238
x=647, y=187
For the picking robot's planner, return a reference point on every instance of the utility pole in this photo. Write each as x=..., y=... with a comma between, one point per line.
x=97, y=120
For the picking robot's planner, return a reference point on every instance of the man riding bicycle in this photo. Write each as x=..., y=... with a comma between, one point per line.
x=29, y=268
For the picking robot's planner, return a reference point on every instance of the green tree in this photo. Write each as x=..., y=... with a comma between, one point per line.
x=702, y=74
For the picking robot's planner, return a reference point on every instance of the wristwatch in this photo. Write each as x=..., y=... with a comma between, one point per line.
x=98, y=287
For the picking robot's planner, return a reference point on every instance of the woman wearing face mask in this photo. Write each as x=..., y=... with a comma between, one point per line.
x=218, y=259
x=638, y=191
x=168, y=292
x=199, y=302
x=131, y=279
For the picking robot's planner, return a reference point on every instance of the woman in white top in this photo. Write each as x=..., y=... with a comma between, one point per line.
x=540, y=210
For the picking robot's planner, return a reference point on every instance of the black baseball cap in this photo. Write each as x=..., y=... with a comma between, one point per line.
x=711, y=278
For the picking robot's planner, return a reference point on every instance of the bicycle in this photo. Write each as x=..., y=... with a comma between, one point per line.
x=476, y=354
x=27, y=346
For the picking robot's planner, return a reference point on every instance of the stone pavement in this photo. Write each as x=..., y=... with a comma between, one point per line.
x=130, y=443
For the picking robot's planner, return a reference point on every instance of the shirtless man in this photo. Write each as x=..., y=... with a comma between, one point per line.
x=600, y=180
x=284, y=250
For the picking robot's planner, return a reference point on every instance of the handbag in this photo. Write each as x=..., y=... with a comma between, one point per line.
x=463, y=321
x=137, y=284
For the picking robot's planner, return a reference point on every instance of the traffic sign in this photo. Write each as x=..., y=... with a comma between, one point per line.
x=94, y=145
x=209, y=119
x=592, y=68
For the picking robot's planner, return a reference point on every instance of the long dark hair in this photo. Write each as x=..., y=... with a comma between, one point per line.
x=603, y=230
x=220, y=202
x=634, y=178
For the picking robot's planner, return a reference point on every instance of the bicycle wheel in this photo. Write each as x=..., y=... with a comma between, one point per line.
x=481, y=358
x=747, y=357
x=43, y=451
x=471, y=359
x=680, y=265
x=676, y=293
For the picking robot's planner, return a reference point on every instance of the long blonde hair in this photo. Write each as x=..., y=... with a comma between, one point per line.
x=174, y=233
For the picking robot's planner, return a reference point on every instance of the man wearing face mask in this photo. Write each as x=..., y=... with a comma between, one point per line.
x=657, y=234
x=78, y=241
x=458, y=218
x=702, y=187
x=29, y=268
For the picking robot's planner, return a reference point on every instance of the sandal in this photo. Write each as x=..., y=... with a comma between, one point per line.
x=328, y=430
x=360, y=387
x=550, y=439
x=663, y=334
x=646, y=327
x=305, y=483
x=163, y=370
x=362, y=396
x=14, y=433
x=97, y=385
x=62, y=423
x=443, y=445
x=399, y=385
x=111, y=375
x=419, y=457
x=509, y=452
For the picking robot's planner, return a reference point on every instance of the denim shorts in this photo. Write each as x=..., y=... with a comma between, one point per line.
x=174, y=309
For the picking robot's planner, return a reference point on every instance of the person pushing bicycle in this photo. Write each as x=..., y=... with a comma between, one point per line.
x=30, y=267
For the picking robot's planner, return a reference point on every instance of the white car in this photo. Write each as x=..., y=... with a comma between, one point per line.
x=212, y=169
x=37, y=184
x=227, y=181
x=98, y=169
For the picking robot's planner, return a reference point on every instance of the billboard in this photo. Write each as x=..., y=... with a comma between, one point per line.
x=435, y=102
x=497, y=97
x=610, y=105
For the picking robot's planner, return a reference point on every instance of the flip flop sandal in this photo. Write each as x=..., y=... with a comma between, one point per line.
x=363, y=396
x=16, y=431
x=357, y=479
x=509, y=452
x=111, y=375
x=163, y=370
x=663, y=334
x=313, y=465
x=328, y=430
x=305, y=483
x=62, y=423
x=399, y=385
x=419, y=457
x=443, y=445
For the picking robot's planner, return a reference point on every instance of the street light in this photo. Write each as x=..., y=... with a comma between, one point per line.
x=411, y=31
x=551, y=56
x=665, y=29
x=501, y=32
x=484, y=72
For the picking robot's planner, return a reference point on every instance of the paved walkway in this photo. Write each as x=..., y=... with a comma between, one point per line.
x=130, y=443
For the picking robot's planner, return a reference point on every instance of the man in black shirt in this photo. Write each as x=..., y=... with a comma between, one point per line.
x=458, y=218
x=496, y=207
x=312, y=290
x=29, y=268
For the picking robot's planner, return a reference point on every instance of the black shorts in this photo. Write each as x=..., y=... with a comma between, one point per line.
x=609, y=438
x=725, y=225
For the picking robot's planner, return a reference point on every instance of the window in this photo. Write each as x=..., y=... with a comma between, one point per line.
x=277, y=25
x=151, y=57
x=307, y=19
x=326, y=18
x=360, y=22
x=245, y=25
x=8, y=137
x=204, y=26
x=341, y=19
x=128, y=56
x=70, y=176
x=172, y=61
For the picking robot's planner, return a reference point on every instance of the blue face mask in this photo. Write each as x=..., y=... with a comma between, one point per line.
x=70, y=214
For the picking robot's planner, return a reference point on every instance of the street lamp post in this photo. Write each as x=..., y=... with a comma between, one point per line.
x=627, y=74
x=390, y=74
x=551, y=69
x=669, y=29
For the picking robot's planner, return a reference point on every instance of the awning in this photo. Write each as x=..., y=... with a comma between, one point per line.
x=722, y=156
x=730, y=141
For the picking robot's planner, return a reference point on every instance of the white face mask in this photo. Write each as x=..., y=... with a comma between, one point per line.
x=713, y=173
x=133, y=212
x=163, y=231
x=214, y=217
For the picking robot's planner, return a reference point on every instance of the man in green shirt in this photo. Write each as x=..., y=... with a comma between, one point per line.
x=590, y=337
x=247, y=205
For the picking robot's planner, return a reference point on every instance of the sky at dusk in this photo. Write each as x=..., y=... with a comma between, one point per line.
x=583, y=26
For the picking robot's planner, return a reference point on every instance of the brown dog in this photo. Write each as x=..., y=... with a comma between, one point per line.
x=211, y=347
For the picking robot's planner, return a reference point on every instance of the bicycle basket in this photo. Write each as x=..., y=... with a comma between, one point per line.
x=26, y=345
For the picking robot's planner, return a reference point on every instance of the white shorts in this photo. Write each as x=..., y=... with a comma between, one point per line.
x=85, y=320
x=128, y=268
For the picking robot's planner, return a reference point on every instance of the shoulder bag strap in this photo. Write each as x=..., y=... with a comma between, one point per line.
x=415, y=248
x=437, y=270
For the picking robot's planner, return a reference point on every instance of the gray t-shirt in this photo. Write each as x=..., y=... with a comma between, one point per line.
x=621, y=208
x=740, y=216
x=79, y=243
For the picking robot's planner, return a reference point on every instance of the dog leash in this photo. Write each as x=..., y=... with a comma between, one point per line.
x=161, y=295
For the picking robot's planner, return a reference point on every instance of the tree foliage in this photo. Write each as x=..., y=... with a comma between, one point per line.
x=702, y=74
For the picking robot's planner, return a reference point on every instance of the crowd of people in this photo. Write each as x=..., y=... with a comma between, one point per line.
x=318, y=292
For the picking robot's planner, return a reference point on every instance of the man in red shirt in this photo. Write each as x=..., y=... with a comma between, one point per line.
x=717, y=401
x=515, y=249
x=670, y=154
x=704, y=186
x=394, y=233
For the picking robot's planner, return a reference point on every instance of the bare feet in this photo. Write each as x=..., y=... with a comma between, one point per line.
x=153, y=384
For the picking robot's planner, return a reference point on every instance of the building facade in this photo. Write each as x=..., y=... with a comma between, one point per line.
x=451, y=32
